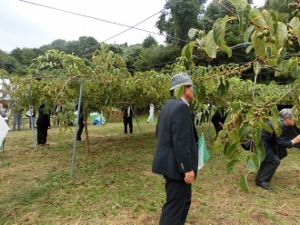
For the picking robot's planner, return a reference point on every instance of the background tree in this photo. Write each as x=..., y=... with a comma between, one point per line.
x=177, y=18
x=149, y=41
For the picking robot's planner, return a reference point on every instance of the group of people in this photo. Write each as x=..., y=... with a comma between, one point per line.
x=43, y=120
x=176, y=154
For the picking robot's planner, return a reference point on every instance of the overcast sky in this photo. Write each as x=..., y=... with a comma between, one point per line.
x=26, y=25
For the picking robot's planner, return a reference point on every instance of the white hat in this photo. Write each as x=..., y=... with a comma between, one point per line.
x=180, y=79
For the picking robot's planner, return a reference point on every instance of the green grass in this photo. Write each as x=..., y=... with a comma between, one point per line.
x=114, y=185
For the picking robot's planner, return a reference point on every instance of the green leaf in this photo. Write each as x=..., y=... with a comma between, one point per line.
x=276, y=124
x=239, y=3
x=282, y=54
x=275, y=22
x=248, y=33
x=243, y=184
x=192, y=33
x=259, y=150
x=282, y=34
x=230, y=166
x=201, y=92
x=210, y=45
x=256, y=67
x=253, y=162
x=249, y=48
x=257, y=18
x=297, y=33
x=285, y=67
x=269, y=19
x=256, y=133
x=231, y=150
x=187, y=51
x=243, y=13
x=179, y=91
x=294, y=23
x=243, y=131
x=219, y=29
x=259, y=45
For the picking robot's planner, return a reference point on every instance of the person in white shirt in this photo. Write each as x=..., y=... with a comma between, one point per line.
x=151, y=114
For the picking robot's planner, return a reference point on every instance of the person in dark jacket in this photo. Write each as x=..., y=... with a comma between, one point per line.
x=176, y=154
x=42, y=124
x=271, y=142
x=127, y=119
x=219, y=118
x=80, y=122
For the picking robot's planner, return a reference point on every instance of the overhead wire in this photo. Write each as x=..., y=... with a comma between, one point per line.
x=107, y=21
x=87, y=16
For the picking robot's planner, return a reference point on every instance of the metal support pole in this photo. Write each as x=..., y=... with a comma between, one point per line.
x=75, y=133
x=136, y=120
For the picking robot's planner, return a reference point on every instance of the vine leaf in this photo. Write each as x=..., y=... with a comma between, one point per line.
x=210, y=45
x=243, y=184
x=219, y=34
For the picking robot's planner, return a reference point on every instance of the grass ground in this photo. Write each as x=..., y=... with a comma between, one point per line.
x=114, y=184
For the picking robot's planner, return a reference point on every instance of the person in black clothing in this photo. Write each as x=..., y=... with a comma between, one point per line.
x=80, y=122
x=43, y=122
x=219, y=118
x=271, y=142
x=127, y=119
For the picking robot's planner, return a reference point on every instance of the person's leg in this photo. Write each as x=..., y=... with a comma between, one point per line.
x=152, y=117
x=178, y=200
x=266, y=172
x=19, y=122
x=130, y=125
x=39, y=135
x=125, y=126
x=79, y=132
x=33, y=122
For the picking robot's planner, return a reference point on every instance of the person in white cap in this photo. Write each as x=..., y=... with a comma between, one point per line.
x=176, y=154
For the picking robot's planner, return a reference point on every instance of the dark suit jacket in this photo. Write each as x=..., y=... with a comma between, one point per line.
x=125, y=113
x=219, y=116
x=270, y=141
x=43, y=120
x=176, y=151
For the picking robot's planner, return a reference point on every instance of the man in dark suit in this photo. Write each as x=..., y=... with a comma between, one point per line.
x=271, y=142
x=176, y=155
x=219, y=118
x=127, y=119
x=43, y=123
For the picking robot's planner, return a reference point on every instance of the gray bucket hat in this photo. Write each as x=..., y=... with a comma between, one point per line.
x=180, y=79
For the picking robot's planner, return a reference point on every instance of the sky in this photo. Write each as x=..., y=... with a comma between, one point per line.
x=25, y=25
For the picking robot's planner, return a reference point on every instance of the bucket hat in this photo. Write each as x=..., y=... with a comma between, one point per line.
x=180, y=79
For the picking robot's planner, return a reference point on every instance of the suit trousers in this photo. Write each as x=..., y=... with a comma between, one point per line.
x=79, y=131
x=42, y=133
x=128, y=121
x=267, y=170
x=176, y=208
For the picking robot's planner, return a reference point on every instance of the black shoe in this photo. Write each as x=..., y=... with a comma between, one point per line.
x=264, y=185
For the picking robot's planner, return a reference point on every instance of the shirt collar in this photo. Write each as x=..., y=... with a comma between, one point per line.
x=185, y=101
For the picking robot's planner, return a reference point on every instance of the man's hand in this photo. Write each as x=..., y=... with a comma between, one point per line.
x=189, y=177
x=296, y=139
